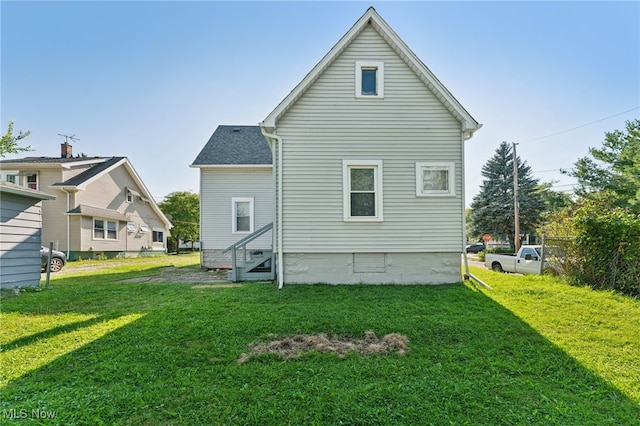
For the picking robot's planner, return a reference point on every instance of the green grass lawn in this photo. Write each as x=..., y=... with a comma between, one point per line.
x=93, y=349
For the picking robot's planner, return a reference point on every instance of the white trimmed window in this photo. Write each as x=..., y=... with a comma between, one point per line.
x=13, y=177
x=105, y=229
x=369, y=79
x=362, y=190
x=31, y=181
x=242, y=215
x=129, y=196
x=435, y=179
x=27, y=180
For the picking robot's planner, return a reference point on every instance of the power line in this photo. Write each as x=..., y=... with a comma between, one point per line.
x=581, y=126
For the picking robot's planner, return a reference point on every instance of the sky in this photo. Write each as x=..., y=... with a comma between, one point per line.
x=152, y=80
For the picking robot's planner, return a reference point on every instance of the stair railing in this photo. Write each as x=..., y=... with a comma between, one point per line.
x=243, y=244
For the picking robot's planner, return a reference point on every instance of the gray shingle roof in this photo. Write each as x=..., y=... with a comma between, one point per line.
x=235, y=145
x=49, y=160
x=89, y=173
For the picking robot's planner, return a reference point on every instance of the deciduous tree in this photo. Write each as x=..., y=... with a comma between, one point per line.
x=183, y=209
x=9, y=142
x=612, y=172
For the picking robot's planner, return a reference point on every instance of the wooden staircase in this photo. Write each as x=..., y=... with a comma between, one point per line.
x=251, y=265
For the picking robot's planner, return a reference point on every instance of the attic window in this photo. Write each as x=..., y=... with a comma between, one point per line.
x=369, y=76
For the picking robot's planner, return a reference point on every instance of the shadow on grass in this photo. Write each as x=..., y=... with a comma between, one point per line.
x=471, y=361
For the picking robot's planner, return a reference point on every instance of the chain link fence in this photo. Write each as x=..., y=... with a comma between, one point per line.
x=616, y=267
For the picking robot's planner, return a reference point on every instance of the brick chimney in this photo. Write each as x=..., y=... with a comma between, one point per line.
x=66, y=150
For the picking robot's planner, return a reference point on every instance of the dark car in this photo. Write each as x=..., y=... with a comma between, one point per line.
x=58, y=259
x=475, y=248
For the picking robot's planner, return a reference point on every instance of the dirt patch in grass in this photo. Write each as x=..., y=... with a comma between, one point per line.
x=296, y=346
x=184, y=275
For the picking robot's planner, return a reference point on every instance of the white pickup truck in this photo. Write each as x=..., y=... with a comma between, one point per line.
x=526, y=261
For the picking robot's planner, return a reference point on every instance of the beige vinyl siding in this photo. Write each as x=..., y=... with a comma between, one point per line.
x=218, y=188
x=328, y=124
x=108, y=192
x=54, y=221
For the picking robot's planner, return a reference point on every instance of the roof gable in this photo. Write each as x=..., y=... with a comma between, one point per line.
x=235, y=146
x=91, y=174
x=82, y=180
x=371, y=17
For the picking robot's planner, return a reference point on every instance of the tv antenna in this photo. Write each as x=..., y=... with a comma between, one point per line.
x=67, y=137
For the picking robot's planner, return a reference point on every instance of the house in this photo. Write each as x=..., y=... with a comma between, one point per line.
x=236, y=187
x=102, y=207
x=368, y=168
x=20, y=235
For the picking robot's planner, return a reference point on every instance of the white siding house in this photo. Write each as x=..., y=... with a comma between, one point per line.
x=369, y=155
x=367, y=164
x=236, y=192
x=20, y=235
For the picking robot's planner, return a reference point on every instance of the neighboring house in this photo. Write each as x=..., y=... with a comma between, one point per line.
x=368, y=168
x=20, y=235
x=102, y=207
x=236, y=192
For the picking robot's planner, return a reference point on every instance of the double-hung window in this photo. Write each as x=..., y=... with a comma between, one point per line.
x=435, y=179
x=369, y=79
x=105, y=229
x=242, y=215
x=362, y=190
x=31, y=181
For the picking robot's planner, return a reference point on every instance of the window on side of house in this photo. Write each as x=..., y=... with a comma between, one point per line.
x=129, y=196
x=158, y=235
x=12, y=177
x=98, y=229
x=242, y=215
x=105, y=229
x=31, y=181
x=362, y=190
x=369, y=79
x=435, y=179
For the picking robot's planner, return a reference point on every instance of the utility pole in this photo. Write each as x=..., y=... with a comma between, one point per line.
x=516, y=207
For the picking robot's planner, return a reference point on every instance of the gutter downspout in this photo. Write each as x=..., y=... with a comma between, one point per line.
x=68, y=223
x=278, y=177
x=467, y=274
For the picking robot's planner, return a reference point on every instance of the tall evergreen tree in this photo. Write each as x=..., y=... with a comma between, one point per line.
x=492, y=209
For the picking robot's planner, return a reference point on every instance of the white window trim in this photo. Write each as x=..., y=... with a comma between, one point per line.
x=26, y=180
x=105, y=229
x=346, y=190
x=128, y=196
x=379, y=66
x=234, y=203
x=5, y=176
x=444, y=165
